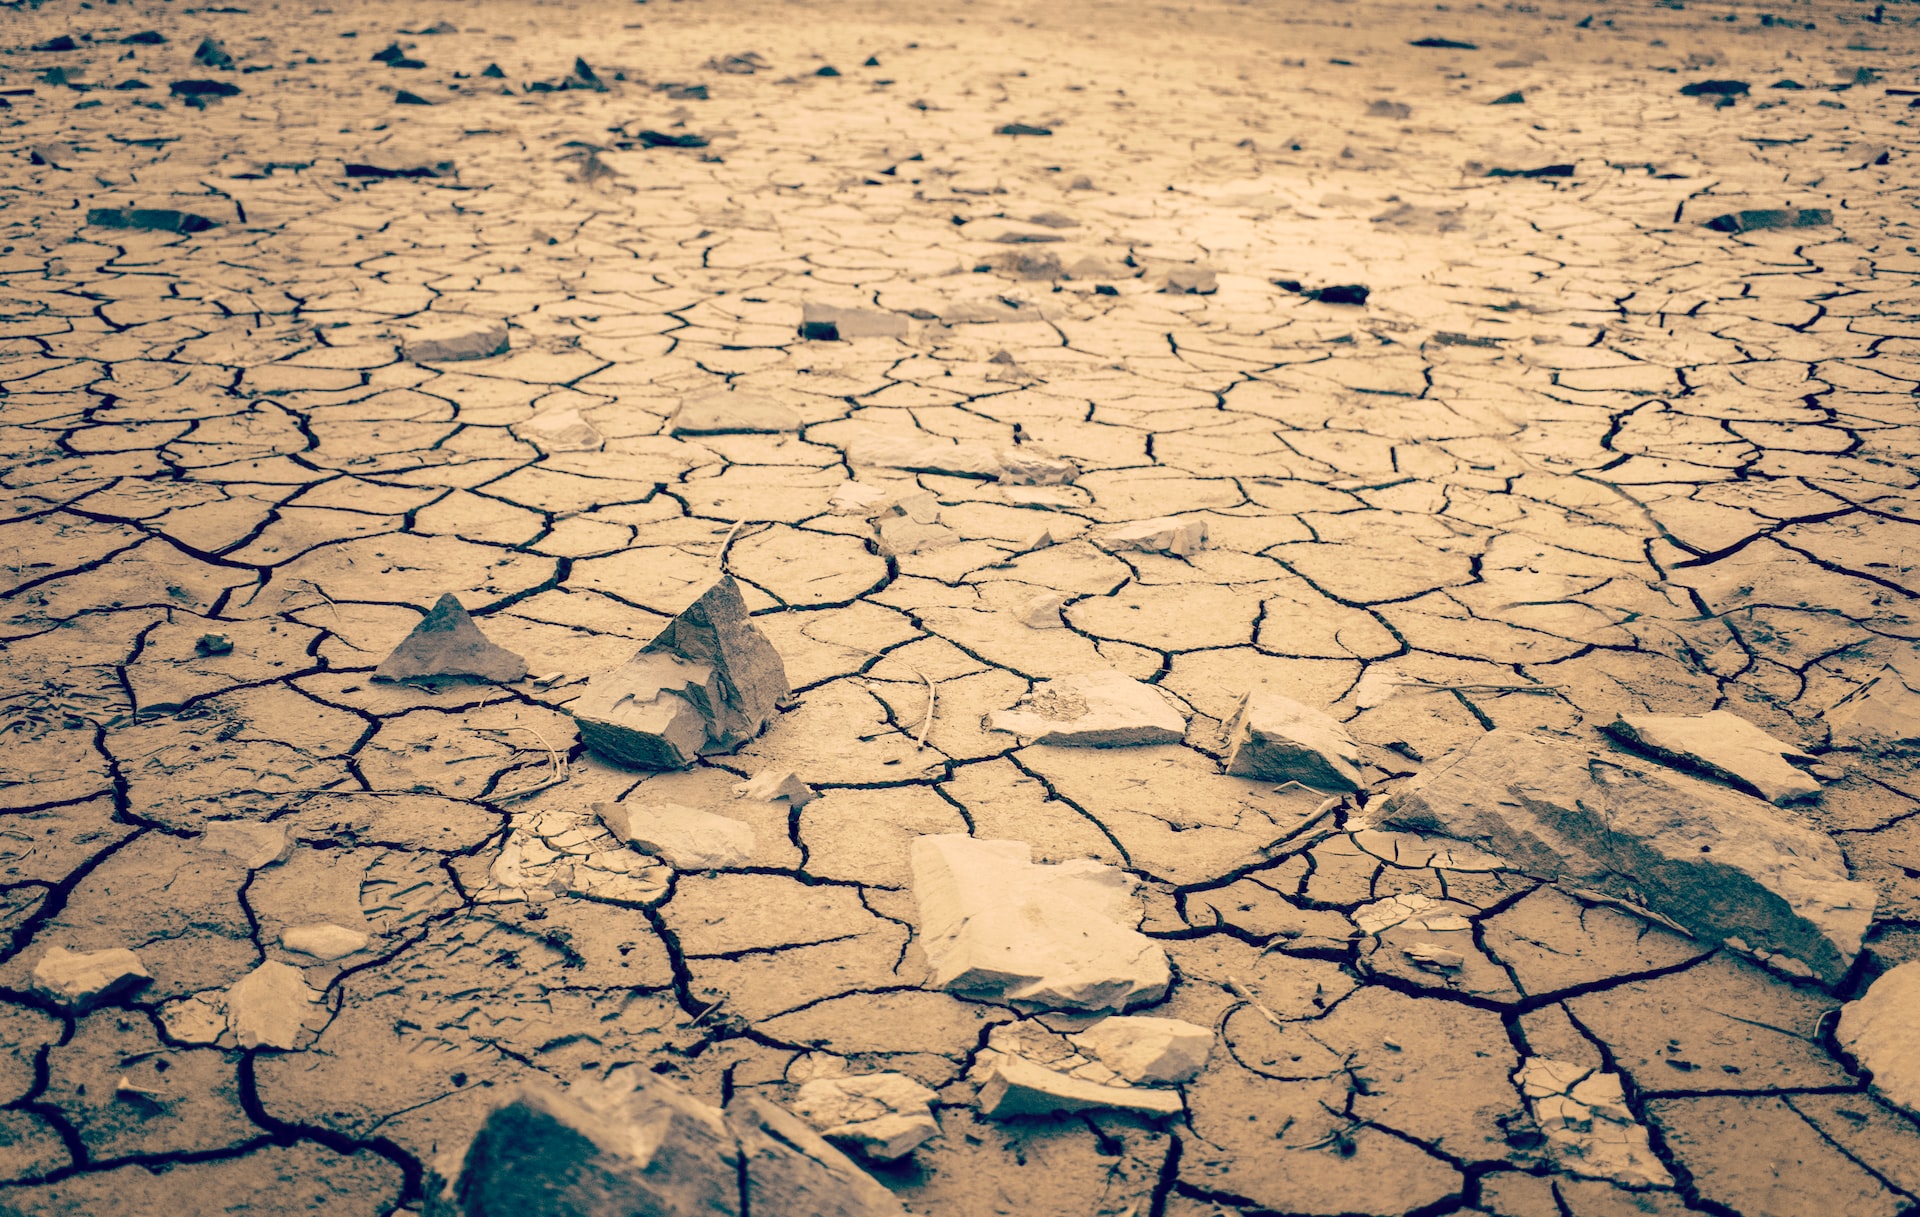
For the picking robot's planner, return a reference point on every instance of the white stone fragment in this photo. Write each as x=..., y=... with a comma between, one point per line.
x=323, y=940
x=453, y=337
x=1010, y=464
x=899, y=536
x=1883, y=711
x=687, y=838
x=725, y=412
x=562, y=430
x=1042, y=612
x=997, y=927
x=1589, y=1128
x=882, y=1115
x=1434, y=957
x=81, y=980
x=1093, y=710
x=1881, y=1030
x=200, y=1018
x=1725, y=745
x=859, y=499
x=1167, y=1051
x=776, y=785
x=1016, y=1087
x=1166, y=535
x=254, y=844
x=270, y=1007
x=828, y=321
x=1276, y=739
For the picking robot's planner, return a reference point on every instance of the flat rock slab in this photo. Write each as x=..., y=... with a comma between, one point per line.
x=81, y=980
x=686, y=838
x=1141, y=1048
x=453, y=339
x=997, y=927
x=881, y=1115
x=1277, y=739
x=1095, y=710
x=323, y=940
x=1724, y=745
x=1590, y=1129
x=1011, y=464
x=1167, y=535
x=270, y=1007
x=707, y=683
x=1724, y=866
x=726, y=413
x=1885, y=711
x=1017, y=1087
x=447, y=645
x=828, y=323
x=1881, y=1031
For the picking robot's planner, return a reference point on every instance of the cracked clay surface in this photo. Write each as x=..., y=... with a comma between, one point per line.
x=1578, y=453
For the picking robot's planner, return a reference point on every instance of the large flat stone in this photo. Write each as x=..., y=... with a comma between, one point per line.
x=1724, y=866
x=1277, y=739
x=1881, y=1031
x=1723, y=744
x=1094, y=710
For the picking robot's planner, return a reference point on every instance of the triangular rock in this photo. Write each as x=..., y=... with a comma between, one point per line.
x=447, y=645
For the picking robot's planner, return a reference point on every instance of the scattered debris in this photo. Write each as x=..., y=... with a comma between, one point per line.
x=1345, y=293
x=685, y=838
x=1410, y=909
x=270, y=1006
x=1043, y=612
x=1724, y=745
x=406, y=97
x=1881, y=1030
x=447, y=645
x=1094, y=710
x=726, y=412
x=203, y=88
x=1276, y=739
x=995, y=926
x=1515, y=98
x=559, y=853
x=213, y=645
x=150, y=219
x=832, y=323
x=1146, y=1050
x=1590, y=1129
x=649, y=138
x=744, y=64
x=323, y=940
x=707, y=683
x=447, y=338
x=1189, y=281
x=882, y=1116
x=81, y=980
x=1166, y=535
x=1724, y=866
x=1028, y=1070
x=1771, y=217
x=60, y=42
x=388, y=163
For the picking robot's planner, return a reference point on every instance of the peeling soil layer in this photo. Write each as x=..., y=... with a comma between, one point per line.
x=1624, y=421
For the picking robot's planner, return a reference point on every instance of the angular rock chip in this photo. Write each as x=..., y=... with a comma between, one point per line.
x=323, y=940
x=1190, y=281
x=1881, y=1030
x=789, y=1169
x=454, y=338
x=1724, y=745
x=1042, y=612
x=1166, y=535
x=203, y=88
x=1589, y=1128
x=560, y=431
x=1884, y=711
x=829, y=323
x=447, y=645
x=1017, y=1087
x=882, y=1115
x=81, y=980
x=688, y=839
x=997, y=927
x=212, y=53
x=150, y=219
x=725, y=413
x=1095, y=710
x=1722, y=865
x=1276, y=739
x=1139, y=1048
x=1014, y=466
x=707, y=683
x=899, y=536
x=269, y=1007
x=1770, y=217
x=773, y=785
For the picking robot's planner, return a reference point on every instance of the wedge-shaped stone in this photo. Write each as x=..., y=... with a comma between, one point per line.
x=1166, y=535
x=454, y=338
x=447, y=645
x=1590, y=1129
x=882, y=1115
x=1724, y=745
x=1276, y=739
x=726, y=412
x=828, y=323
x=271, y=1006
x=1015, y=466
x=1722, y=865
x=688, y=839
x=81, y=980
x=1018, y=1087
x=789, y=1169
x=1882, y=1032
x=1095, y=710
x=1884, y=711
x=1140, y=1048
x=997, y=927
x=707, y=683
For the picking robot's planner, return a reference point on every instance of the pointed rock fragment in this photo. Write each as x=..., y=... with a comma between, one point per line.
x=1722, y=865
x=1881, y=1030
x=447, y=645
x=1276, y=739
x=1164, y=1051
x=775, y=785
x=1017, y=1087
x=881, y=1115
x=81, y=980
x=270, y=1006
x=1590, y=1129
x=707, y=683
x=443, y=340
x=997, y=927
x=1168, y=535
x=1094, y=710
x=1724, y=745
x=686, y=838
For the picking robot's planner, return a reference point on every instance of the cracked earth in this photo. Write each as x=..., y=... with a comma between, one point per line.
x=1577, y=454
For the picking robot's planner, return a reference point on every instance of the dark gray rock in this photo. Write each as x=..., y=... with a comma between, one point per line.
x=447, y=645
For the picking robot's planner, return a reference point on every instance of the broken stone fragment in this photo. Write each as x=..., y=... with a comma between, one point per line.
x=899, y=536
x=323, y=940
x=1434, y=957
x=564, y=430
x=1885, y=711
x=1276, y=739
x=1042, y=612
x=255, y=845
x=1724, y=866
x=197, y=1019
x=1017, y=1087
x=454, y=338
x=1189, y=281
x=447, y=645
x=1724, y=745
x=859, y=499
x=1770, y=217
x=1166, y=535
x=392, y=163
x=725, y=412
x=790, y=1169
x=1095, y=710
x=1165, y=1051
x=686, y=838
x=150, y=219
x=81, y=980
x=212, y=53
x=997, y=927
x=882, y=1115
x=775, y=785
x=1881, y=1031
x=1010, y=464
x=1590, y=1130
x=212, y=645
x=269, y=1007
x=707, y=683
x=827, y=323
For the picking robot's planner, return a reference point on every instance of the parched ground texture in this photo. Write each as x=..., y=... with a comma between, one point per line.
x=1578, y=453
